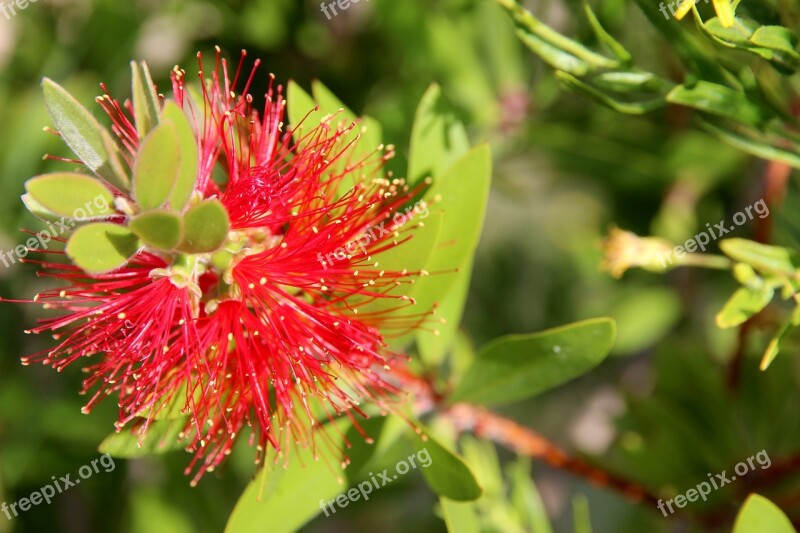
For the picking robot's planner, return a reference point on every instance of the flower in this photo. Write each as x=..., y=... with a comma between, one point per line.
x=255, y=334
x=623, y=250
x=723, y=8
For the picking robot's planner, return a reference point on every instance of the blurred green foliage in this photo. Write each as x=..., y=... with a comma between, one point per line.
x=566, y=168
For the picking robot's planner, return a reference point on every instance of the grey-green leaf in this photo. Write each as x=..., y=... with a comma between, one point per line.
x=83, y=134
x=145, y=99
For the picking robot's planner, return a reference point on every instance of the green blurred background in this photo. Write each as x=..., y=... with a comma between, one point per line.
x=662, y=411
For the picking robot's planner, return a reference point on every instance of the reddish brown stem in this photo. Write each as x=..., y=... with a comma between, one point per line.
x=506, y=432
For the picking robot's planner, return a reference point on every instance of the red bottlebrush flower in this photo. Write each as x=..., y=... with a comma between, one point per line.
x=284, y=323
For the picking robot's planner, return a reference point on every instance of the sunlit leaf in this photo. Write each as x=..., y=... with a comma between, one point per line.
x=161, y=437
x=71, y=195
x=101, y=247
x=759, y=514
x=157, y=167
x=187, y=174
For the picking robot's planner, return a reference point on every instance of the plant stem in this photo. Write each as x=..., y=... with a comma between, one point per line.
x=508, y=433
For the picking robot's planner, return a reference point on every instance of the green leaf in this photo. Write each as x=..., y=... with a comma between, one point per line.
x=744, y=303
x=283, y=499
x=734, y=36
x=433, y=346
x=145, y=99
x=644, y=316
x=776, y=38
x=161, y=437
x=448, y=475
x=205, y=226
x=526, y=498
x=637, y=107
x=101, y=247
x=580, y=513
x=303, y=117
x=774, y=346
x=156, y=170
x=159, y=229
x=759, y=514
x=763, y=257
x=84, y=135
x=68, y=194
x=515, y=367
x=38, y=210
x=557, y=58
x=604, y=37
x=368, y=130
x=718, y=100
x=438, y=138
x=460, y=517
x=413, y=255
x=753, y=144
x=187, y=174
x=531, y=30
x=461, y=193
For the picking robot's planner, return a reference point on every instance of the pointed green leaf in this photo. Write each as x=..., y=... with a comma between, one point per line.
x=764, y=257
x=516, y=367
x=446, y=319
x=580, y=512
x=412, y=255
x=759, y=514
x=69, y=195
x=205, y=226
x=774, y=346
x=38, y=210
x=718, y=100
x=753, y=144
x=447, y=474
x=162, y=436
x=560, y=52
x=438, y=138
x=367, y=128
x=744, y=303
x=145, y=99
x=159, y=229
x=299, y=104
x=604, y=37
x=633, y=107
x=460, y=517
x=83, y=134
x=287, y=498
x=157, y=166
x=101, y=247
x=461, y=193
x=187, y=175
x=776, y=38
